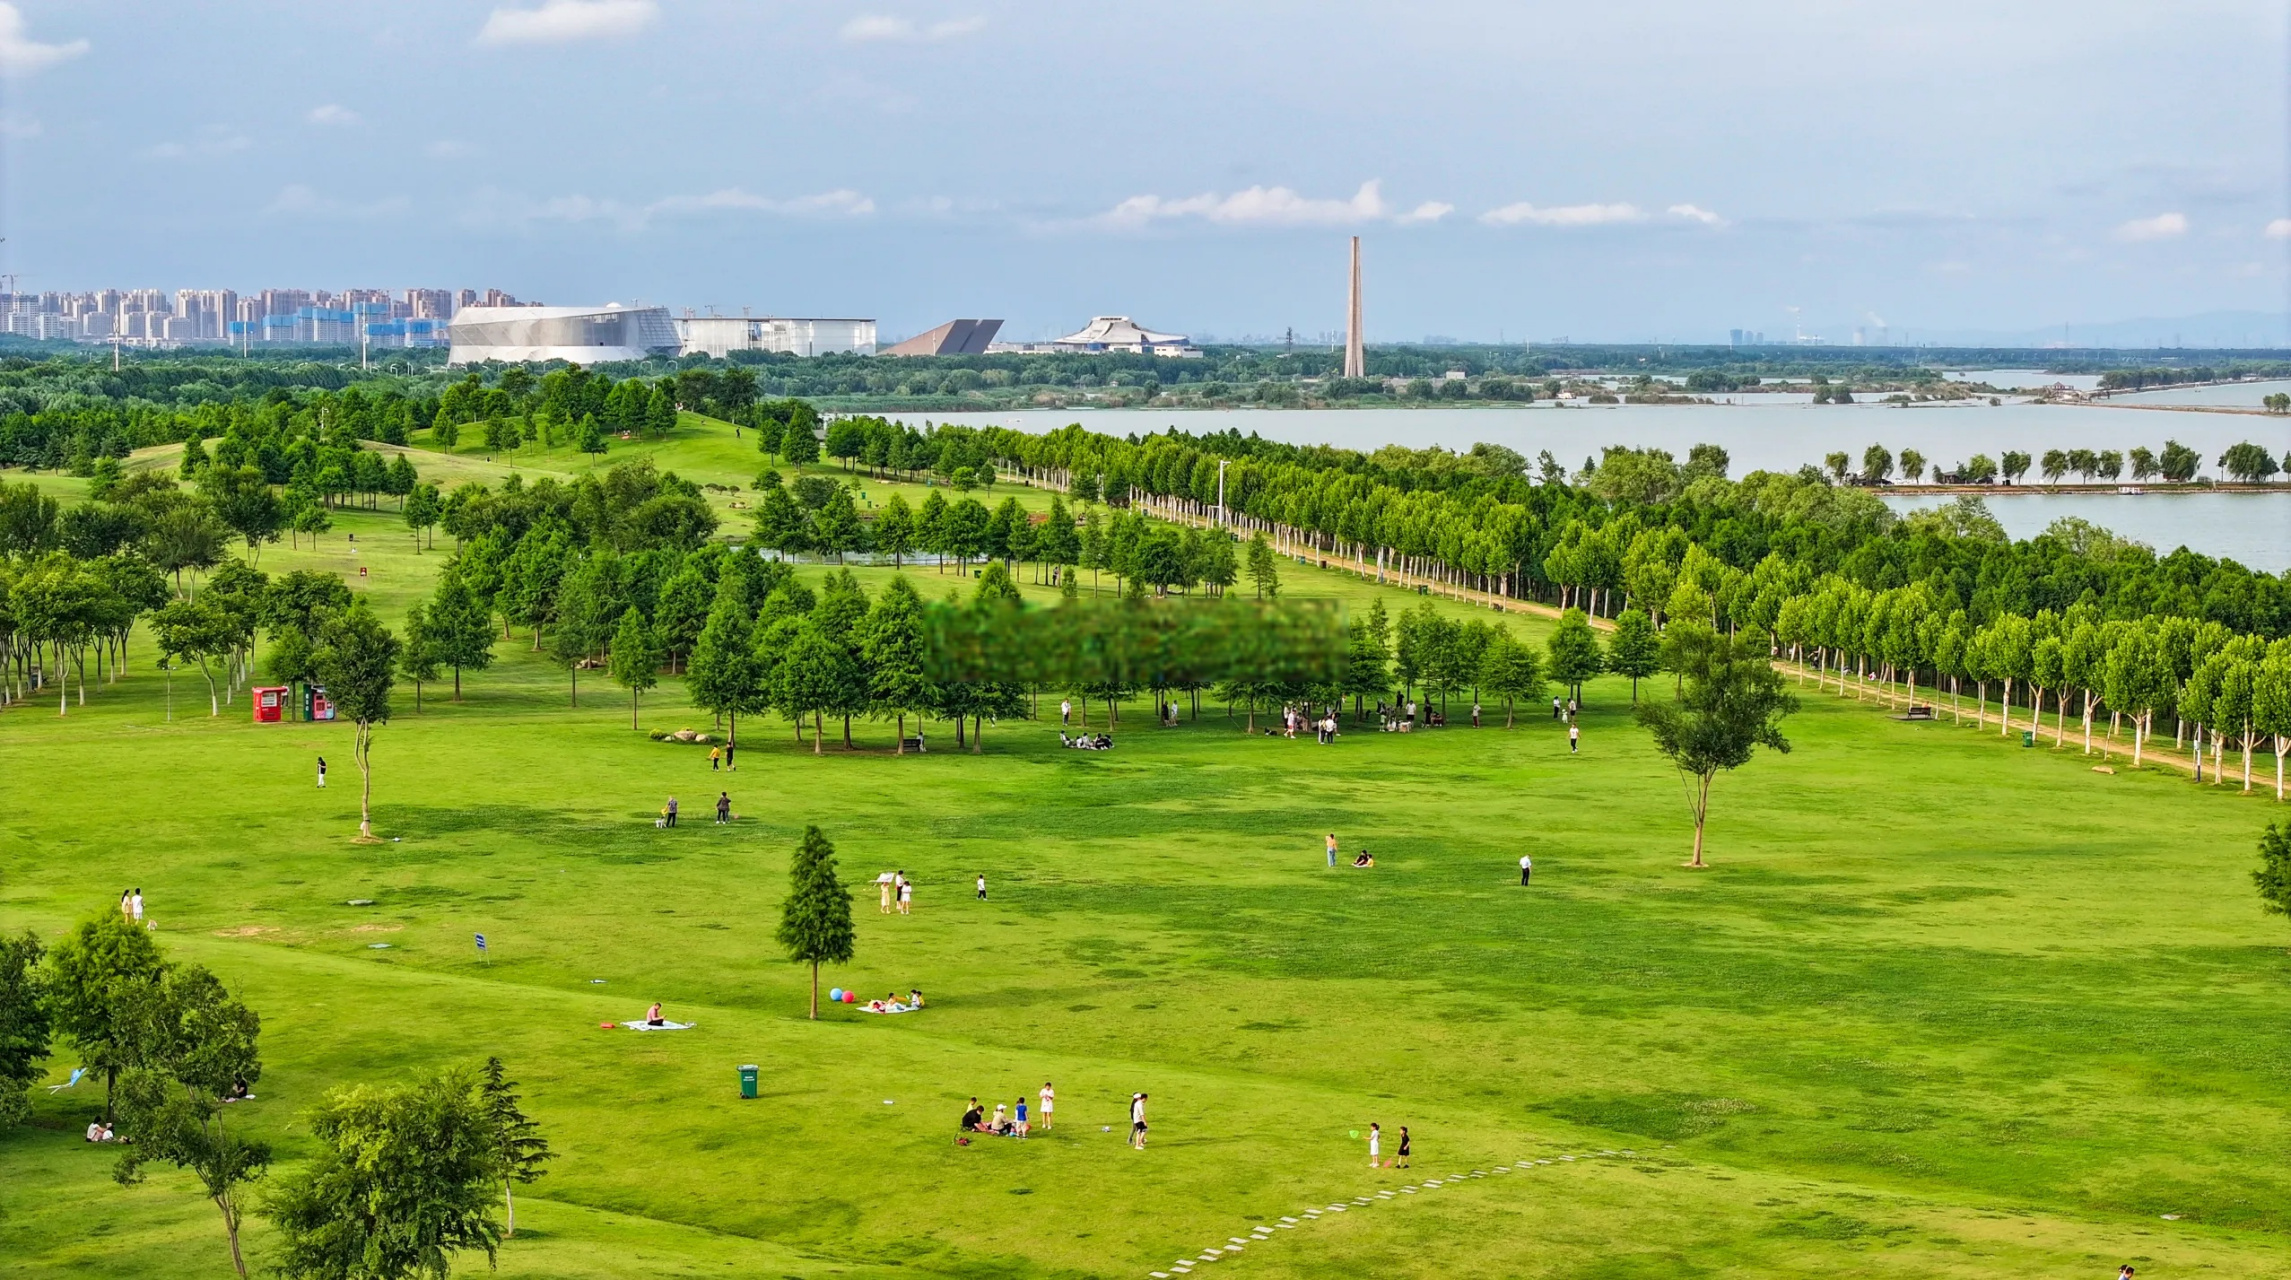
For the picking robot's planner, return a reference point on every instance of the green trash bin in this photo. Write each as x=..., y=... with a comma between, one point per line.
x=2028, y=737
x=748, y=1081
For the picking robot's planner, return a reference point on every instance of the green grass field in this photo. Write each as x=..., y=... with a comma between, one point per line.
x=1944, y=1007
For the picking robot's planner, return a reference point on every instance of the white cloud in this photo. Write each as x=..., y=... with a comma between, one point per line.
x=20, y=55
x=450, y=149
x=1271, y=206
x=2280, y=229
x=332, y=113
x=1565, y=215
x=874, y=28
x=2163, y=226
x=839, y=203
x=214, y=142
x=1695, y=213
x=18, y=127
x=298, y=200
x=499, y=208
x=559, y=21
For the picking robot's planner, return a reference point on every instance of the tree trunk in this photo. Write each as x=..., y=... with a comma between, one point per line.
x=902, y=735
x=815, y=990
x=362, y=747
x=509, y=1207
x=231, y=1233
x=818, y=731
x=631, y=705
x=1701, y=814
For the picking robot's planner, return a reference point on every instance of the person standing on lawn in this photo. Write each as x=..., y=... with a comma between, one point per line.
x=1526, y=866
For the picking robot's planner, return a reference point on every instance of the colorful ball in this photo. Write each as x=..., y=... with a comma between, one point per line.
x=835, y=995
x=850, y=997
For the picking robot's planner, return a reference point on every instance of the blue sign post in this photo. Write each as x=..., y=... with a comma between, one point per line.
x=481, y=947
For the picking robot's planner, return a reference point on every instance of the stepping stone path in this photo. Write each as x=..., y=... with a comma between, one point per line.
x=1306, y=1217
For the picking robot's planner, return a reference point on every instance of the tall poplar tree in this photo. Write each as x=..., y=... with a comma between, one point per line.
x=815, y=921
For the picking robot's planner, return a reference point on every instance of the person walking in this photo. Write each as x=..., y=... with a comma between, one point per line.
x=723, y=808
x=135, y=907
x=1138, y=1121
x=322, y=773
x=883, y=884
x=1065, y=717
x=1572, y=709
x=729, y=748
x=1526, y=866
x=1049, y=1104
x=715, y=759
x=906, y=894
x=670, y=812
x=127, y=905
x=982, y=886
x=1555, y=708
x=1400, y=1161
x=1332, y=848
x=1475, y=715
x=1375, y=1144
x=1574, y=737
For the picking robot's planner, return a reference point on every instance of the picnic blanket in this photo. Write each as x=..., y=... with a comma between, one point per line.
x=896, y=1008
x=640, y=1025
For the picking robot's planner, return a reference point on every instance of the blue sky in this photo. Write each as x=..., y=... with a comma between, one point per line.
x=1625, y=171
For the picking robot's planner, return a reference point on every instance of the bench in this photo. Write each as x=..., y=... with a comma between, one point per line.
x=911, y=744
x=1919, y=711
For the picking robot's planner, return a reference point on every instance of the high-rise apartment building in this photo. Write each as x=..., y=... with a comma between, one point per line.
x=429, y=304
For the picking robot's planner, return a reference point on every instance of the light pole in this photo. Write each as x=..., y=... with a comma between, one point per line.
x=1221, y=491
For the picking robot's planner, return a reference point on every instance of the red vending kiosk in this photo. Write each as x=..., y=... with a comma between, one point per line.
x=270, y=703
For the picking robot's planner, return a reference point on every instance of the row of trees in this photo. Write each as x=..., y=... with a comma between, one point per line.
x=1477, y=535
x=2177, y=464
x=403, y=1177
x=2215, y=687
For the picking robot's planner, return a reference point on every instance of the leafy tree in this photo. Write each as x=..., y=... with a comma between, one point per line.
x=659, y=412
x=891, y=645
x=1635, y=649
x=815, y=921
x=636, y=666
x=198, y=1042
x=24, y=1024
x=2274, y=875
x=1912, y=465
x=723, y=676
x=423, y=509
x=1876, y=464
x=1574, y=652
x=799, y=441
x=1730, y=703
x=1264, y=567
x=2178, y=463
x=461, y=627
x=100, y=978
x=836, y=528
x=519, y=1150
x=200, y=631
x=585, y=614
x=1510, y=670
x=895, y=529
x=356, y=660
x=2016, y=465
x=818, y=676
x=1368, y=662
x=418, y=652
x=2248, y=463
x=402, y=1181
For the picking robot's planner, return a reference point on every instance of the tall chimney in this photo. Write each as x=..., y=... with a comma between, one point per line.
x=1355, y=354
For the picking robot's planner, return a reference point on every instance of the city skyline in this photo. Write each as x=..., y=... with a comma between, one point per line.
x=1771, y=168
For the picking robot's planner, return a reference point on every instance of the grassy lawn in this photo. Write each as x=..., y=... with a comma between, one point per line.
x=1943, y=1008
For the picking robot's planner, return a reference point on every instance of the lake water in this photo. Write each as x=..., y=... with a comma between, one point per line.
x=2031, y=378
x=2235, y=395
x=2252, y=528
